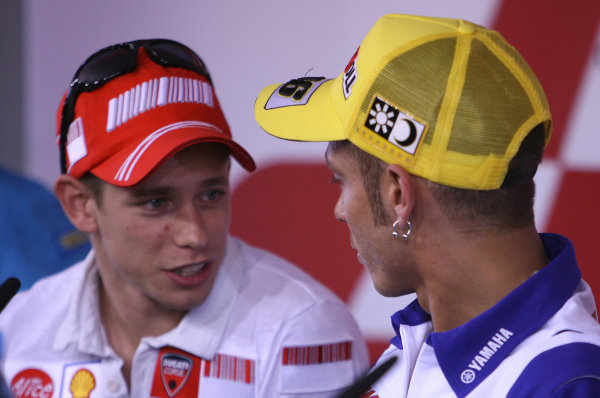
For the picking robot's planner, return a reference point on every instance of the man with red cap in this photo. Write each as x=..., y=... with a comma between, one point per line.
x=167, y=304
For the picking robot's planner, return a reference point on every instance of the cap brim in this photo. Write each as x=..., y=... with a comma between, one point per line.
x=312, y=118
x=134, y=163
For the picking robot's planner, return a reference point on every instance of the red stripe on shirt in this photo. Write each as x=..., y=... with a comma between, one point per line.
x=316, y=354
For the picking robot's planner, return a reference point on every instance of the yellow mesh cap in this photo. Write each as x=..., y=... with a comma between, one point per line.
x=447, y=99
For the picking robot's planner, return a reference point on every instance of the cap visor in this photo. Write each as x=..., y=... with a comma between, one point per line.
x=312, y=118
x=137, y=161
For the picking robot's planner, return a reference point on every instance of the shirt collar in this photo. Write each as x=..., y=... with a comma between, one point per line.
x=201, y=330
x=469, y=353
x=198, y=333
x=82, y=325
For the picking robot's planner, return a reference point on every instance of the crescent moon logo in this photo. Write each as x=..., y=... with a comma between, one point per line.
x=412, y=134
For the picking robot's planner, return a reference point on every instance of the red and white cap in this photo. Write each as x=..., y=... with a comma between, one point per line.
x=123, y=131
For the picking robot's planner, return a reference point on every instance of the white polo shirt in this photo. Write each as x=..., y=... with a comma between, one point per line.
x=541, y=339
x=266, y=330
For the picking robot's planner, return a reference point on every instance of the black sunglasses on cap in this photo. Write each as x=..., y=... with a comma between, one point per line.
x=117, y=60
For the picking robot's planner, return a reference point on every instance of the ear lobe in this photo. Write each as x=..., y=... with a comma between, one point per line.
x=401, y=192
x=77, y=202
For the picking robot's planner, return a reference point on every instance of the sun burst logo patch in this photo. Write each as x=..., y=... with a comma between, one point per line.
x=381, y=117
x=392, y=124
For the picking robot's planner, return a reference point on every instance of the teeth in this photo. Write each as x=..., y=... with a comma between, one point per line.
x=191, y=270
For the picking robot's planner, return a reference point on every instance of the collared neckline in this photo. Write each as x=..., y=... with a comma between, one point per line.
x=198, y=333
x=469, y=353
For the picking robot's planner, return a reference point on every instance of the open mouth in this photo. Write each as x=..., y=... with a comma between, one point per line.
x=190, y=270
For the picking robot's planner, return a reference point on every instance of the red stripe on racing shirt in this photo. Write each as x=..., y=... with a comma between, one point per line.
x=317, y=354
x=228, y=367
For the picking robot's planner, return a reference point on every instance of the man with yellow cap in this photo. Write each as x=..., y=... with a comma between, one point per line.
x=436, y=128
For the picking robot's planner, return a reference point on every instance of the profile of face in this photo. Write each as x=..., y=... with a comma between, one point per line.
x=376, y=248
x=161, y=243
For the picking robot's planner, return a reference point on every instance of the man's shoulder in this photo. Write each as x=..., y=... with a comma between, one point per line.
x=47, y=296
x=268, y=271
x=555, y=368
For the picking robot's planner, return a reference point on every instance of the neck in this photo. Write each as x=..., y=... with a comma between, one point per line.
x=126, y=320
x=476, y=273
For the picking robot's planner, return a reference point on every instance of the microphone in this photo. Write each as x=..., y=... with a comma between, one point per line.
x=362, y=385
x=8, y=289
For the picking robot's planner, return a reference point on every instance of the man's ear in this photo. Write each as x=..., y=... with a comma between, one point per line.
x=77, y=202
x=400, y=192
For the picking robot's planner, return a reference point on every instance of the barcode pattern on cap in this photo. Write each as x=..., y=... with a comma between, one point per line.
x=156, y=92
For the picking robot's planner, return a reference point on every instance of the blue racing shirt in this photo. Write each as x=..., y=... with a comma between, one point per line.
x=541, y=340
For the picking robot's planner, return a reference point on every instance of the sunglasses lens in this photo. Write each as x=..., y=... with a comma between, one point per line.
x=175, y=54
x=107, y=64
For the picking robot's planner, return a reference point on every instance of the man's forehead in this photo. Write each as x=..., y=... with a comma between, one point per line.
x=339, y=159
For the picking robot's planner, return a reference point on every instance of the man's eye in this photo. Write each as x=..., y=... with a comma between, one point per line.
x=213, y=195
x=155, y=203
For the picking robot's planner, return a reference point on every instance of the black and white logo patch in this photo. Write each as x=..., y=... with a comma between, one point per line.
x=394, y=125
x=295, y=92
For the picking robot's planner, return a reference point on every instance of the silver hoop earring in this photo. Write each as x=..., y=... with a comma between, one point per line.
x=397, y=234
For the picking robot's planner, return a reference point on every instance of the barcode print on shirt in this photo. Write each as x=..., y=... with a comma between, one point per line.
x=230, y=368
x=317, y=354
x=156, y=92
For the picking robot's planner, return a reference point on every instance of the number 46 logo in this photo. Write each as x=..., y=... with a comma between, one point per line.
x=295, y=92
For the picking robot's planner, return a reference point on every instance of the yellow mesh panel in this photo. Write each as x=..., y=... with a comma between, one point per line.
x=490, y=90
x=417, y=79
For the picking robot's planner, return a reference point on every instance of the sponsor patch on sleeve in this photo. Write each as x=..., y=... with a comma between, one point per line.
x=314, y=368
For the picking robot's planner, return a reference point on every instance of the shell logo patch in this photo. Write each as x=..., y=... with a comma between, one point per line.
x=32, y=383
x=82, y=383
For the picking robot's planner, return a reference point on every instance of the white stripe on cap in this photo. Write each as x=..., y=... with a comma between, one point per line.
x=129, y=164
x=156, y=92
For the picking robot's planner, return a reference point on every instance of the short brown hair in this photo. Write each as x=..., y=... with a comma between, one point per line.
x=94, y=185
x=510, y=206
x=371, y=170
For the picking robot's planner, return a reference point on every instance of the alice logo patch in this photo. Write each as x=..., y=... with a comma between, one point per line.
x=397, y=127
x=295, y=92
x=350, y=75
x=30, y=383
x=82, y=384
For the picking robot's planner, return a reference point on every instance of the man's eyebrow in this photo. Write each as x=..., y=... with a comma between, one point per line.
x=211, y=182
x=142, y=191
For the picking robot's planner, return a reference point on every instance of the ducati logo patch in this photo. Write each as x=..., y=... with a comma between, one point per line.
x=175, y=370
x=350, y=75
x=389, y=122
x=177, y=374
